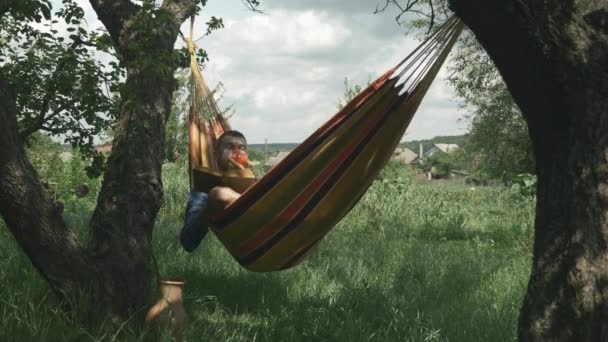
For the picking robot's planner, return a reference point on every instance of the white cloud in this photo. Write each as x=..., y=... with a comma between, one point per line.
x=281, y=35
x=273, y=99
x=290, y=33
x=292, y=82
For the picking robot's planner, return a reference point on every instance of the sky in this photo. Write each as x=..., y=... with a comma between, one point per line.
x=284, y=70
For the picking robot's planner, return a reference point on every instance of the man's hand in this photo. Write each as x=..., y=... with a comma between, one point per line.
x=240, y=159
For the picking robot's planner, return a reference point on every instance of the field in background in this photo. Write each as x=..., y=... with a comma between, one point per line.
x=272, y=147
x=411, y=262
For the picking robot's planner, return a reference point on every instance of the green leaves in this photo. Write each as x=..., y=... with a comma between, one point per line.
x=61, y=86
x=442, y=163
x=26, y=10
x=214, y=24
x=350, y=91
x=67, y=79
x=202, y=56
x=176, y=129
x=498, y=142
x=71, y=12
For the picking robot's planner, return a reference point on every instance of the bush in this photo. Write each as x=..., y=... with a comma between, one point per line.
x=524, y=184
x=441, y=163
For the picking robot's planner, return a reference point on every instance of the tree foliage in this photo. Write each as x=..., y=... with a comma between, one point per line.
x=350, y=91
x=498, y=142
x=60, y=87
x=441, y=163
x=176, y=130
x=67, y=79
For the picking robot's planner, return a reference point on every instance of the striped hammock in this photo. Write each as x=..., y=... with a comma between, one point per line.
x=279, y=219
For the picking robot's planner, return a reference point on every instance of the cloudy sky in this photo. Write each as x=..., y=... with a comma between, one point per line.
x=284, y=70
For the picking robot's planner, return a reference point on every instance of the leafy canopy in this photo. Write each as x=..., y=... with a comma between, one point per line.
x=60, y=87
x=67, y=79
x=498, y=144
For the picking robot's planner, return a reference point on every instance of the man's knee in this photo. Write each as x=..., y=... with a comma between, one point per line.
x=223, y=195
x=217, y=194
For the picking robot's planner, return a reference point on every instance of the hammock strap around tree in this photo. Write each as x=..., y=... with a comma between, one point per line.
x=279, y=219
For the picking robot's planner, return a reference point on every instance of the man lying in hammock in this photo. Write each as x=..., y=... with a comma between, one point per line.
x=201, y=206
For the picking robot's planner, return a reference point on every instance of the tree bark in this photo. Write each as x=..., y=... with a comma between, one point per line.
x=553, y=56
x=114, y=269
x=131, y=194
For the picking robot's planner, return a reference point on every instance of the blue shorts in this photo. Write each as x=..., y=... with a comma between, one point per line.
x=193, y=231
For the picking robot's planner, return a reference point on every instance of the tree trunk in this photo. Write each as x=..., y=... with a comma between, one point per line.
x=114, y=270
x=553, y=56
x=131, y=194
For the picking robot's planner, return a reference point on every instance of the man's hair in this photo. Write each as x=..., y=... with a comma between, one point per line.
x=231, y=133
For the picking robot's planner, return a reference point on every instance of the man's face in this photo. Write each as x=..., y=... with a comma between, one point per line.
x=226, y=147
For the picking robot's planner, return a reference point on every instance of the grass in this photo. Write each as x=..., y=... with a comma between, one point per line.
x=411, y=262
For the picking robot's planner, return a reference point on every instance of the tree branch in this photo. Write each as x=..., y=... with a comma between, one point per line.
x=252, y=5
x=49, y=94
x=409, y=7
x=51, y=129
x=180, y=10
x=42, y=120
x=114, y=14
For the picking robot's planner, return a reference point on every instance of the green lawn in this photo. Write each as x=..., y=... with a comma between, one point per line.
x=410, y=263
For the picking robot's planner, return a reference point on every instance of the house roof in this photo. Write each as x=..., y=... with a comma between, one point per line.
x=276, y=158
x=405, y=155
x=104, y=148
x=446, y=147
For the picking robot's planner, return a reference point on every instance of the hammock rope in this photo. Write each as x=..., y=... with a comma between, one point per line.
x=278, y=220
x=432, y=48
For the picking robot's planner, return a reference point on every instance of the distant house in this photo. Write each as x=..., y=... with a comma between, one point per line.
x=447, y=148
x=107, y=148
x=406, y=156
x=275, y=158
